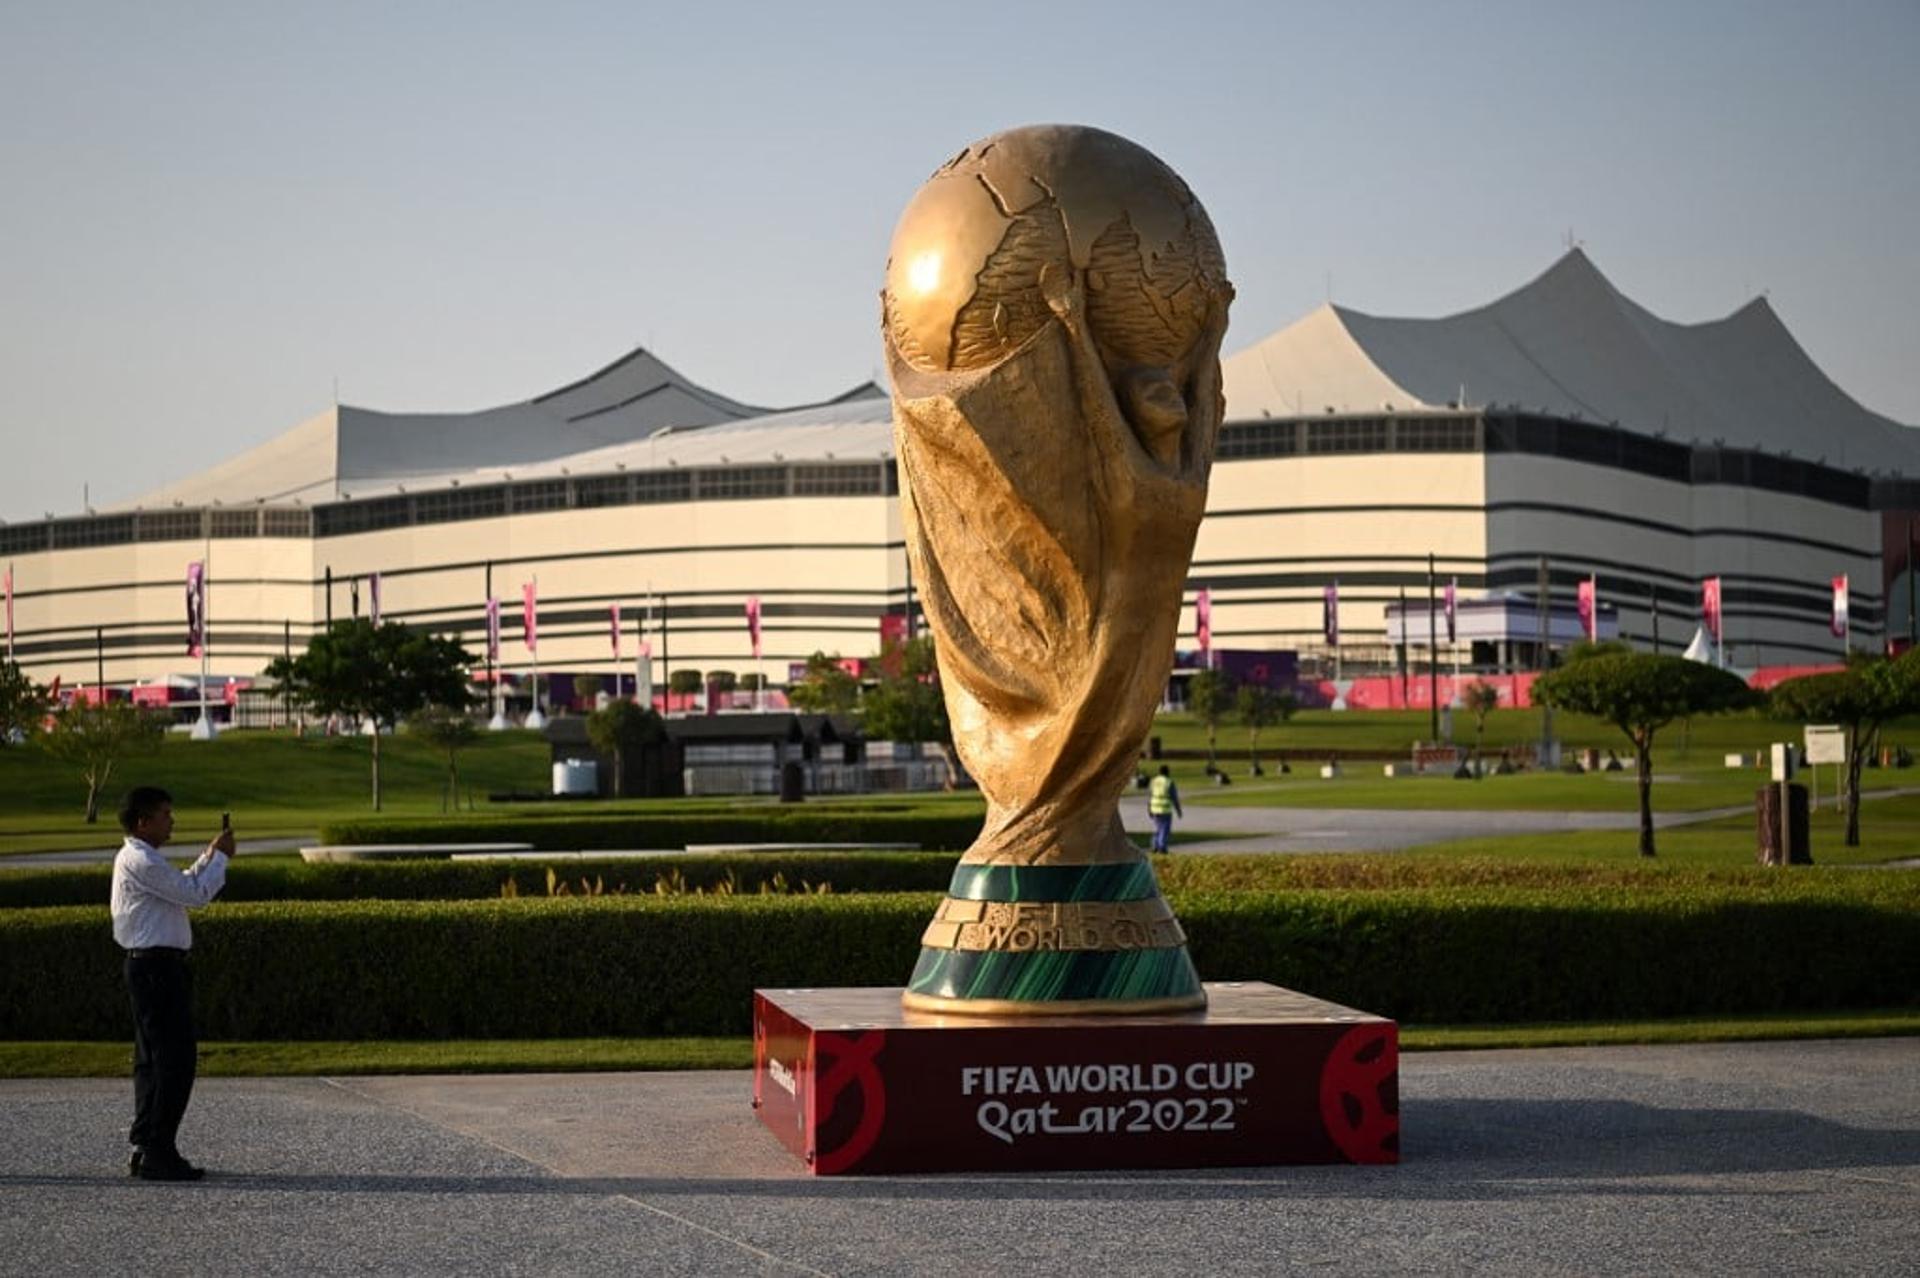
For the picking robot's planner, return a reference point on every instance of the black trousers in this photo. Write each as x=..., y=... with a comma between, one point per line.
x=165, y=1050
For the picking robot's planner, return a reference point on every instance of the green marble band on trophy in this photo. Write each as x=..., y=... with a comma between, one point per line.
x=1053, y=312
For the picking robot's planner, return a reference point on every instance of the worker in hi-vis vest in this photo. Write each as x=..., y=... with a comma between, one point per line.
x=1163, y=802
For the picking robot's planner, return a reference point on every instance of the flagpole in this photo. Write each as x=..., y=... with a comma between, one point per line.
x=203, y=729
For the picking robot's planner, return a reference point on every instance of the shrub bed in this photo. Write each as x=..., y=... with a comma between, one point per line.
x=278, y=878
x=290, y=879
x=646, y=830
x=642, y=966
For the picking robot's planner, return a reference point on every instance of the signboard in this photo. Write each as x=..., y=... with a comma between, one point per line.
x=1826, y=743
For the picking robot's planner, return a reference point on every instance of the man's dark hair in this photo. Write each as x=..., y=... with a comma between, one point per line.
x=1163, y=770
x=141, y=802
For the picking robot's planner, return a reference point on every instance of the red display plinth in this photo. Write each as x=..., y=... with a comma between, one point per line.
x=853, y=1083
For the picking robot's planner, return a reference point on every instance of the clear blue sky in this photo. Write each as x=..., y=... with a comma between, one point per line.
x=212, y=211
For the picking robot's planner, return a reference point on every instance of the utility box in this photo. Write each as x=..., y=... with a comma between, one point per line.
x=1766, y=807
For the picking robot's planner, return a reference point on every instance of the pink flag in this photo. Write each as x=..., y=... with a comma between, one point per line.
x=1840, y=619
x=373, y=599
x=493, y=631
x=196, y=608
x=1452, y=602
x=613, y=614
x=530, y=615
x=1589, y=610
x=1710, y=606
x=1330, y=612
x=1203, y=625
x=753, y=622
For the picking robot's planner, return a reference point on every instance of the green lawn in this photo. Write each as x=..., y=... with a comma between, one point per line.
x=278, y=786
x=274, y=784
x=520, y=1056
x=1889, y=831
x=1323, y=732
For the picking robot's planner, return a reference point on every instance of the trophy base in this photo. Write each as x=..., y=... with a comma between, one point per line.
x=942, y=1006
x=858, y=1081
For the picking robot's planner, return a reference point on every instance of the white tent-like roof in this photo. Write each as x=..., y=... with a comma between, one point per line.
x=347, y=449
x=1569, y=344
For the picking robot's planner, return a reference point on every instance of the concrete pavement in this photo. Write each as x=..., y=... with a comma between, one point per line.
x=1767, y=1158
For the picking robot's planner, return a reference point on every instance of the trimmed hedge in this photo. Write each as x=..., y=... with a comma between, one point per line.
x=588, y=832
x=278, y=878
x=287, y=879
x=637, y=966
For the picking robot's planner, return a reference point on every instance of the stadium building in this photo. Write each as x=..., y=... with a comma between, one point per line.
x=1561, y=432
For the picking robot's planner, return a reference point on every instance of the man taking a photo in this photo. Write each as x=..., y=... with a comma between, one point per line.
x=150, y=903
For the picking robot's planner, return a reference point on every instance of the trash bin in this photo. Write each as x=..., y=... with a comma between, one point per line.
x=793, y=783
x=1766, y=809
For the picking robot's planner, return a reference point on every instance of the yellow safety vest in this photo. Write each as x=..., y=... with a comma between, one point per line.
x=1160, y=796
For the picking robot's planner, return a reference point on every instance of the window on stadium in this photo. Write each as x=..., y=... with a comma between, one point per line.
x=851, y=479
x=1259, y=439
x=1434, y=435
x=1362, y=435
x=171, y=525
x=452, y=504
x=23, y=538
x=106, y=530
x=663, y=485
x=603, y=490
x=233, y=523
x=742, y=481
x=286, y=523
x=543, y=494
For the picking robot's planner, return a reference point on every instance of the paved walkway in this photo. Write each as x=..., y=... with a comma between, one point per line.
x=1766, y=1158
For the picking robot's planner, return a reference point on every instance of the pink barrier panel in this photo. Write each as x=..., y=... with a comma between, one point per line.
x=1383, y=692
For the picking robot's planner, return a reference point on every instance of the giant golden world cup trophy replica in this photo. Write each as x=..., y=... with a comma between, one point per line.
x=1054, y=305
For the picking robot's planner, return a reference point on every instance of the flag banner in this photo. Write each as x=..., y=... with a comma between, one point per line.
x=1330, y=613
x=373, y=599
x=1710, y=606
x=1452, y=598
x=196, y=608
x=1203, y=625
x=9, y=612
x=530, y=615
x=493, y=630
x=1589, y=609
x=613, y=629
x=753, y=623
x=1839, y=624
x=643, y=674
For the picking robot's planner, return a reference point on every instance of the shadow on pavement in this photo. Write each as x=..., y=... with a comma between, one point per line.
x=1478, y=1149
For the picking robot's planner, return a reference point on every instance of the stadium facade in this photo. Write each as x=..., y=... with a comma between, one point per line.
x=1560, y=429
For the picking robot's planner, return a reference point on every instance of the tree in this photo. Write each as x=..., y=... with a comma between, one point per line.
x=826, y=688
x=1262, y=707
x=720, y=683
x=1480, y=699
x=1641, y=693
x=23, y=704
x=1859, y=699
x=380, y=673
x=449, y=730
x=752, y=681
x=908, y=705
x=94, y=738
x=621, y=728
x=586, y=690
x=1210, y=696
x=685, y=683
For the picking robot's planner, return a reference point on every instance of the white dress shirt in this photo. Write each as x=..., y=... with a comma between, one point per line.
x=151, y=898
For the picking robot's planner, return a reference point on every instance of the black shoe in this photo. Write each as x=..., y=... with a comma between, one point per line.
x=175, y=1168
